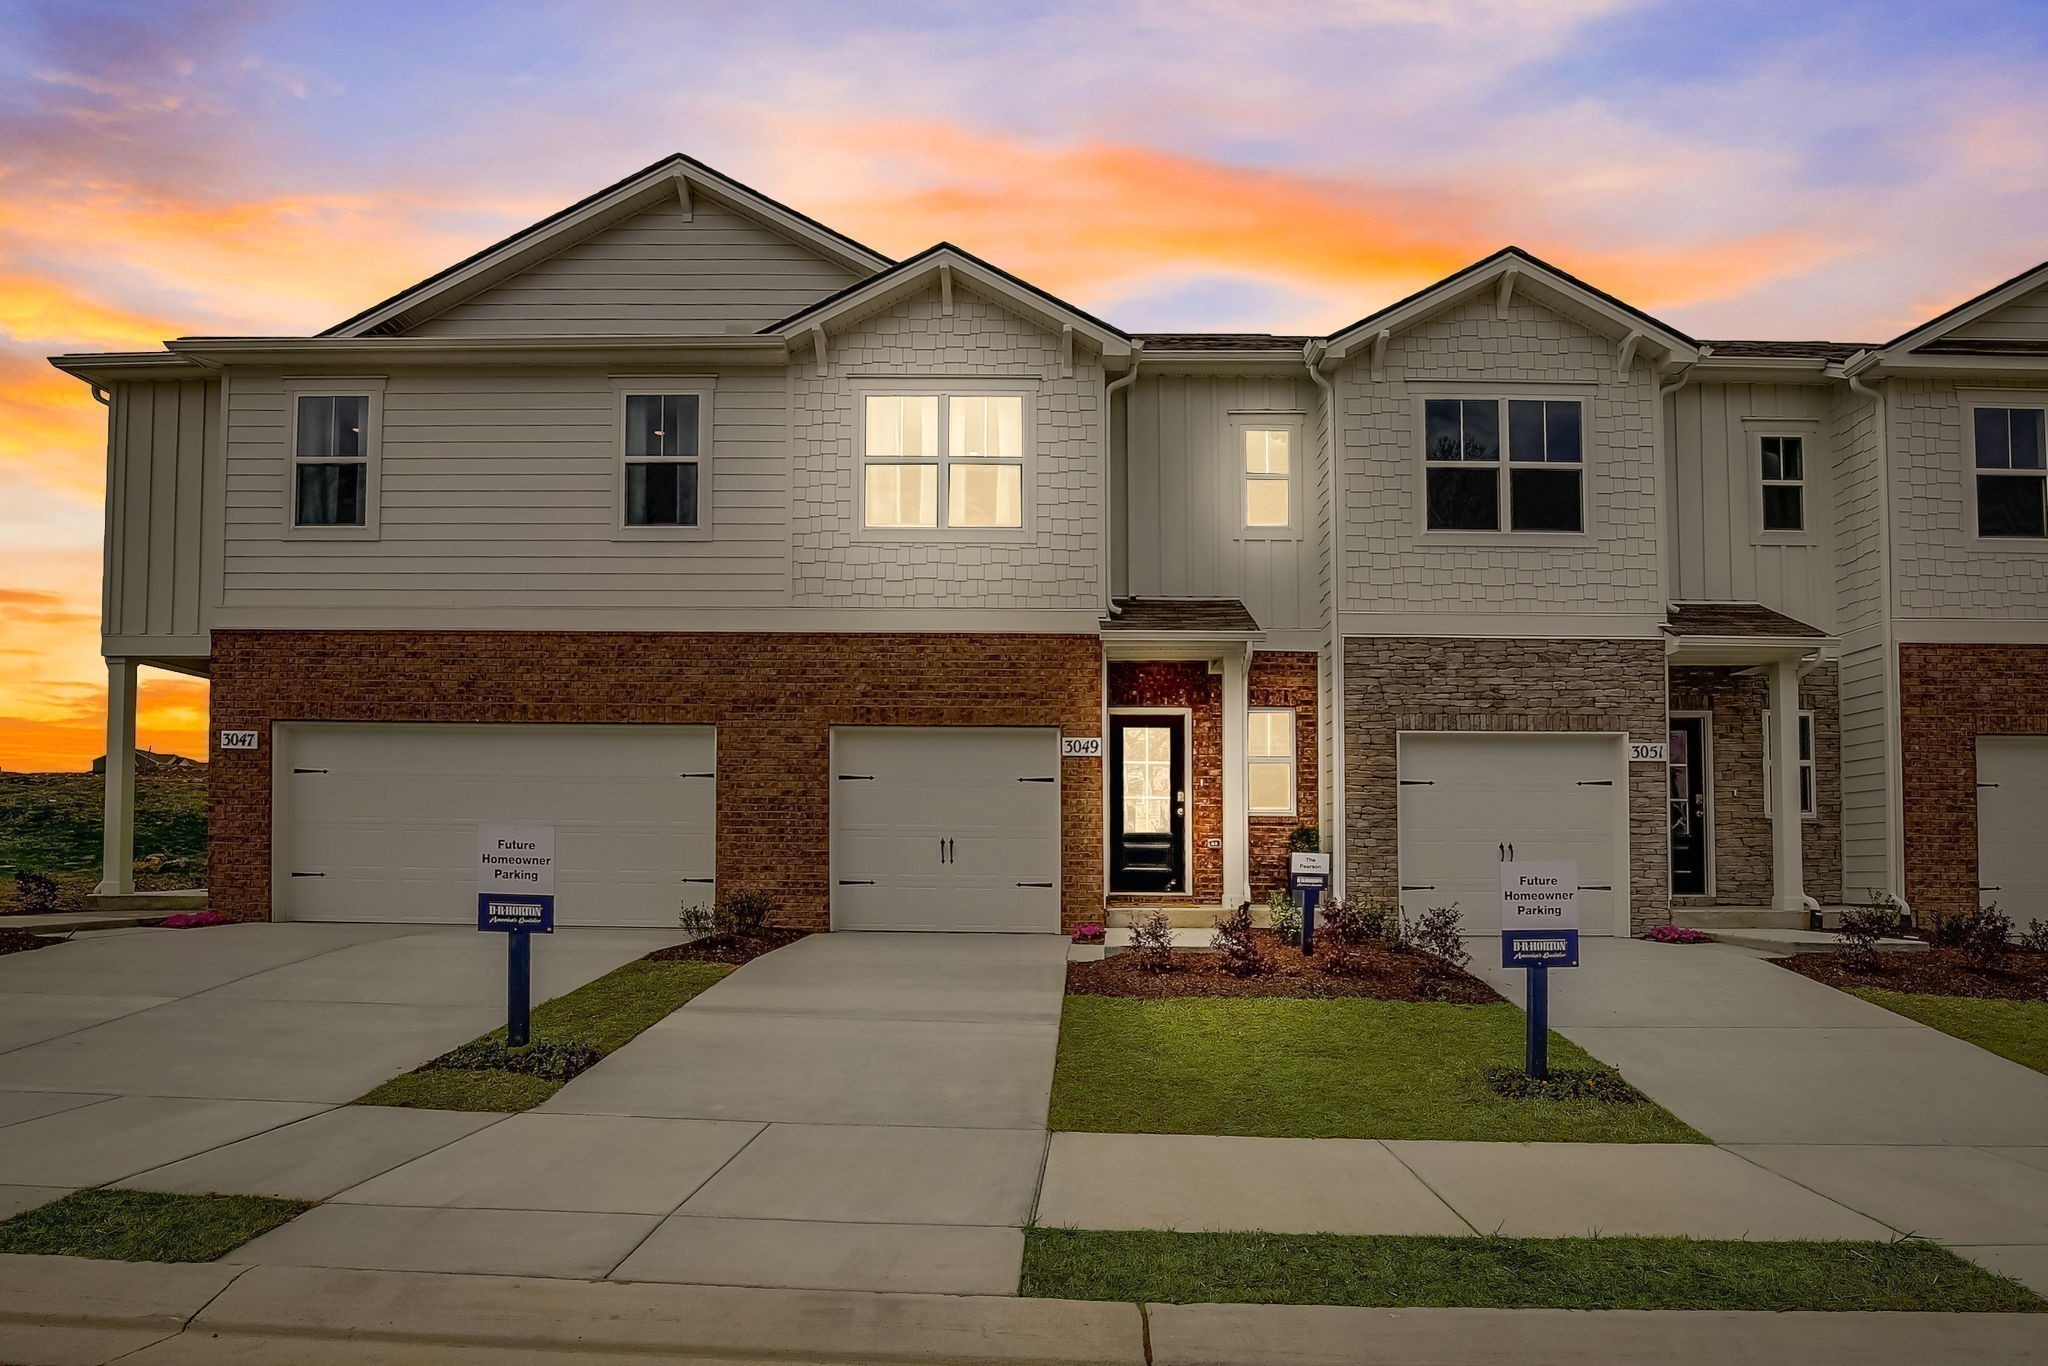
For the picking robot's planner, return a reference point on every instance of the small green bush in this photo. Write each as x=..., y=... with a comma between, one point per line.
x=1243, y=955
x=1284, y=916
x=741, y=913
x=1439, y=932
x=1152, y=941
x=1603, y=1084
x=548, y=1061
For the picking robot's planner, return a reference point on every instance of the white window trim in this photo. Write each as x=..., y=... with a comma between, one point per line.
x=1812, y=767
x=370, y=387
x=1292, y=761
x=945, y=390
x=1292, y=424
x=1971, y=400
x=627, y=386
x=1499, y=394
x=1808, y=483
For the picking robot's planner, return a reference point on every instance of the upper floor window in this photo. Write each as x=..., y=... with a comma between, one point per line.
x=333, y=442
x=1270, y=775
x=1784, y=483
x=2012, y=477
x=1539, y=486
x=1268, y=478
x=932, y=461
x=664, y=457
x=1806, y=785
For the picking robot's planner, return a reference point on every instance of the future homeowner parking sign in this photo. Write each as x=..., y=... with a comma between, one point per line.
x=1539, y=914
x=515, y=877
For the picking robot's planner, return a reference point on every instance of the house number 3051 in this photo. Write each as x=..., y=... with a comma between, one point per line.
x=1647, y=752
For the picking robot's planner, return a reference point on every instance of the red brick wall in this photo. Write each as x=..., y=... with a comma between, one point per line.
x=1948, y=696
x=1285, y=679
x=773, y=698
x=1185, y=683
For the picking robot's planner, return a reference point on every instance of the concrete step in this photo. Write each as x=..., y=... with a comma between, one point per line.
x=1806, y=941
x=160, y=904
x=64, y=922
x=1716, y=918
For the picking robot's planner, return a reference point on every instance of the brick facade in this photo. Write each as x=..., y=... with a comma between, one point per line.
x=1736, y=701
x=773, y=697
x=1948, y=696
x=1429, y=683
x=1286, y=679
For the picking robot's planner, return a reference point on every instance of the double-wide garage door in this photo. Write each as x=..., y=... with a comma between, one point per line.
x=2012, y=794
x=378, y=822
x=1467, y=800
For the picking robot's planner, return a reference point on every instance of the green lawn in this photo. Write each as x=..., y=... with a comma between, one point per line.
x=2012, y=1029
x=145, y=1226
x=1508, y=1273
x=1284, y=1068
x=604, y=1014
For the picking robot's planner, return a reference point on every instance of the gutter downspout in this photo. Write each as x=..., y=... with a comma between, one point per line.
x=1332, y=733
x=1894, y=744
x=1109, y=504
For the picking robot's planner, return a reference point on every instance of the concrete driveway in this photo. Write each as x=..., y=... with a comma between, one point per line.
x=853, y=1112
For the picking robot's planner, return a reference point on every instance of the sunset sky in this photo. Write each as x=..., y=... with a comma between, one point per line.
x=167, y=167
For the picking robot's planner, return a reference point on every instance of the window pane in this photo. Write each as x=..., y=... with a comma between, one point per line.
x=679, y=425
x=1272, y=735
x=1994, y=446
x=2010, y=505
x=903, y=495
x=316, y=426
x=1561, y=421
x=2026, y=438
x=1482, y=429
x=1805, y=791
x=1266, y=452
x=661, y=493
x=331, y=495
x=1774, y=458
x=1265, y=502
x=1544, y=500
x=1271, y=786
x=643, y=419
x=1464, y=500
x=1792, y=458
x=661, y=425
x=905, y=426
x=1784, y=507
x=1440, y=415
x=985, y=495
x=1805, y=736
x=331, y=427
x=1525, y=429
x=986, y=428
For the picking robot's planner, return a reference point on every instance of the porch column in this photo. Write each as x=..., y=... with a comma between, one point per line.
x=1237, y=885
x=117, y=850
x=1787, y=876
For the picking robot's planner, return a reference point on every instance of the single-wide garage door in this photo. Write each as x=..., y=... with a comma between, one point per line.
x=2012, y=795
x=945, y=828
x=378, y=822
x=1465, y=797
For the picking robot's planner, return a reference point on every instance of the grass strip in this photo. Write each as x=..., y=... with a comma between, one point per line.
x=145, y=1226
x=2012, y=1029
x=1510, y=1273
x=1276, y=1068
x=604, y=1015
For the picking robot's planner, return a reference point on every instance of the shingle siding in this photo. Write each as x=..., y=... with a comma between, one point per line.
x=1941, y=570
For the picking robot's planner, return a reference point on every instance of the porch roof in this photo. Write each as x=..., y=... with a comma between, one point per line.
x=1736, y=619
x=1197, y=616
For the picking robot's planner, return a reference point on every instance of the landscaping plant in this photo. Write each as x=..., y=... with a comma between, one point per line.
x=1603, y=1084
x=741, y=913
x=1678, y=934
x=1152, y=941
x=1284, y=916
x=1440, y=934
x=2035, y=940
x=34, y=893
x=1988, y=937
x=1090, y=933
x=1305, y=839
x=1860, y=929
x=1343, y=934
x=1243, y=955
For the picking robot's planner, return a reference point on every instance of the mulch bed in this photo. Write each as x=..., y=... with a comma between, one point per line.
x=21, y=941
x=1386, y=976
x=728, y=948
x=2021, y=976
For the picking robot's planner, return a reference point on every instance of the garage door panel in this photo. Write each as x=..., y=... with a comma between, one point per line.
x=2012, y=795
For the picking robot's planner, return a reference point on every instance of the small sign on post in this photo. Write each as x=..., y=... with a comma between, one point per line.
x=515, y=894
x=1539, y=930
x=1308, y=877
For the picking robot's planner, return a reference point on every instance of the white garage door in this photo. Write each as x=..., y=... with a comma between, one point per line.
x=945, y=829
x=378, y=822
x=2012, y=818
x=1463, y=798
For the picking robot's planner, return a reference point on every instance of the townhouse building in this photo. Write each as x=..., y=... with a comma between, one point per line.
x=919, y=598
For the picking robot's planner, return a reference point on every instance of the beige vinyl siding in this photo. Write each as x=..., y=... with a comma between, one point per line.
x=712, y=271
x=1858, y=510
x=159, y=435
x=1182, y=511
x=498, y=489
x=1866, y=772
x=1722, y=553
x=1860, y=546
x=2024, y=319
x=1941, y=569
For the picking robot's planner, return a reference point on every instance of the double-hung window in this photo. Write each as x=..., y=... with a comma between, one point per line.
x=1270, y=776
x=1537, y=487
x=2011, y=472
x=1806, y=788
x=661, y=483
x=1784, y=482
x=333, y=459
x=942, y=461
x=1267, y=476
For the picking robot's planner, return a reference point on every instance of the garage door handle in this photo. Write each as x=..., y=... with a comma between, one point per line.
x=1034, y=780
x=856, y=882
x=1418, y=782
x=1987, y=784
x=309, y=770
x=705, y=880
x=1596, y=782
x=1982, y=888
x=1595, y=887
x=309, y=875
x=1408, y=887
x=696, y=775
x=1034, y=884
x=856, y=777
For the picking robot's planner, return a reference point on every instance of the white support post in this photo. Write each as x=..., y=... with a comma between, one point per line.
x=117, y=852
x=1237, y=886
x=1788, y=890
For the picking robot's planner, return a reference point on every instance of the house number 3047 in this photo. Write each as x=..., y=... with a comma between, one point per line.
x=238, y=739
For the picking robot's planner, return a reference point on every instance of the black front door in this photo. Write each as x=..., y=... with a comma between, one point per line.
x=1148, y=804
x=1688, y=806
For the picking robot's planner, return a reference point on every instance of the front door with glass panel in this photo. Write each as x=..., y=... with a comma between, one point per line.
x=1148, y=806
x=1688, y=806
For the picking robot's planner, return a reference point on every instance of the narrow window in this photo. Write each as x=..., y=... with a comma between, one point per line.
x=1806, y=787
x=663, y=458
x=985, y=461
x=1268, y=478
x=943, y=460
x=1463, y=464
x=330, y=458
x=1784, y=479
x=2012, y=484
x=1270, y=782
x=1544, y=459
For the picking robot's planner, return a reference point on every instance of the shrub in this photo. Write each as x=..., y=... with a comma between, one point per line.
x=1152, y=941
x=1860, y=929
x=1603, y=1084
x=2035, y=940
x=548, y=1061
x=1439, y=933
x=37, y=894
x=1243, y=954
x=1396, y=934
x=741, y=913
x=1305, y=839
x=1987, y=937
x=193, y=920
x=1344, y=936
x=695, y=920
x=1678, y=934
x=1284, y=916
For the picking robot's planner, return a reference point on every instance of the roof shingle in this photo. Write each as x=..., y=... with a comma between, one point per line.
x=1735, y=619
x=1199, y=615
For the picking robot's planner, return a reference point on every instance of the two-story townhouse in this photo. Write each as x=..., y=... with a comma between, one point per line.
x=918, y=598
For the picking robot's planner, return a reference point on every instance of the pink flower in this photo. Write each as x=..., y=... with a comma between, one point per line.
x=192, y=920
x=1088, y=934
x=1678, y=934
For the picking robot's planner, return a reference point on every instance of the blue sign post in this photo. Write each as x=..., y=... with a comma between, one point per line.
x=1308, y=877
x=516, y=897
x=1539, y=917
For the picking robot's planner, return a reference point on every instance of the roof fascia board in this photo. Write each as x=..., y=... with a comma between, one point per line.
x=1948, y=365
x=1224, y=362
x=109, y=366
x=1969, y=310
x=1764, y=369
x=215, y=352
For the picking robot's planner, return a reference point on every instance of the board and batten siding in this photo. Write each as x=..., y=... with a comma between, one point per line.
x=1181, y=508
x=713, y=270
x=1941, y=569
x=159, y=437
x=1721, y=551
x=499, y=491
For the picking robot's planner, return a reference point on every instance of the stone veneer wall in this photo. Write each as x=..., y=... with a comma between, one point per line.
x=1742, y=833
x=1394, y=684
x=773, y=697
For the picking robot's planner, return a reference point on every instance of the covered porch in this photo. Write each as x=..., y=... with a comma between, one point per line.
x=116, y=892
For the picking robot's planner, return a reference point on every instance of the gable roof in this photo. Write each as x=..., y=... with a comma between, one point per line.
x=913, y=273
x=2028, y=280
x=671, y=176
x=1482, y=273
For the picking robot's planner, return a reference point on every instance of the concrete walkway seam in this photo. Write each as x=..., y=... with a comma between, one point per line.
x=613, y=1269
x=1410, y=1169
